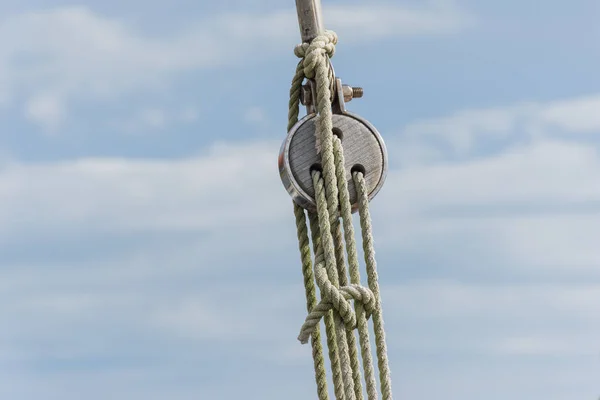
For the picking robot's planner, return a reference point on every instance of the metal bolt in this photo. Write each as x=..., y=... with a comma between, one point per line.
x=351, y=92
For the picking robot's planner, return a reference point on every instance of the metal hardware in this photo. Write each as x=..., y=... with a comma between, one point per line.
x=310, y=19
x=352, y=92
x=348, y=93
x=308, y=96
x=362, y=144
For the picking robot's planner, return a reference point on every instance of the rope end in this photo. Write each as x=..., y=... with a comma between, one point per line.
x=303, y=339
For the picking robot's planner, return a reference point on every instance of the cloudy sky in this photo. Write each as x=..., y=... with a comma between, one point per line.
x=147, y=246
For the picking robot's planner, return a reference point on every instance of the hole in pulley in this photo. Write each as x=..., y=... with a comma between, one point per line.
x=358, y=168
x=316, y=167
x=338, y=132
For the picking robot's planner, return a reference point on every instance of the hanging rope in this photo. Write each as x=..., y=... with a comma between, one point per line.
x=328, y=271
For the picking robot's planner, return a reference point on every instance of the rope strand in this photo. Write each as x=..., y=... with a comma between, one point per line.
x=311, y=301
x=334, y=359
x=353, y=267
x=369, y=250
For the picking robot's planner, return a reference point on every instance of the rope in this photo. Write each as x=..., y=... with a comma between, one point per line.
x=345, y=305
x=366, y=308
x=311, y=301
x=369, y=250
x=328, y=318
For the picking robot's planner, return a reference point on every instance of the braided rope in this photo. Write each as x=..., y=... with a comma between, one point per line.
x=342, y=312
x=329, y=267
x=341, y=264
x=363, y=327
x=369, y=250
x=311, y=301
x=334, y=359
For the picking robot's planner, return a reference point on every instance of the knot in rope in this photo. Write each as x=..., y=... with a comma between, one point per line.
x=354, y=292
x=315, y=52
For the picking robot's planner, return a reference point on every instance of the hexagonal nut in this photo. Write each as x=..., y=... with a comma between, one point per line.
x=348, y=94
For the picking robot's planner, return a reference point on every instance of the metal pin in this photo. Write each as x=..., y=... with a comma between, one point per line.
x=310, y=19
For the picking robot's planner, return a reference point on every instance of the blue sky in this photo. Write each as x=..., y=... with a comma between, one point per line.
x=147, y=246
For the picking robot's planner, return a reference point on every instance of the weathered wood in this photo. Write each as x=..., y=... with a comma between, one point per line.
x=362, y=146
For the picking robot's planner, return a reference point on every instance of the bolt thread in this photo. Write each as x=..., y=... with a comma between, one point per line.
x=357, y=92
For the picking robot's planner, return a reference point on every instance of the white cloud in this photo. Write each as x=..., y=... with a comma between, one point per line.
x=157, y=119
x=255, y=116
x=73, y=53
x=46, y=110
x=215, y=315
x=360, y=23
x=546, y=171
x=500, y=151
x=494, y=319
x=579, y=115
x=189, y=114
x=529, y=196
x=230, y=186
x=153, y=118
x=467, y=131
x=551, y=346
x=454, y=299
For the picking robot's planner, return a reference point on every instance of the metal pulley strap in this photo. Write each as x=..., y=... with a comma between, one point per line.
x=332, y=163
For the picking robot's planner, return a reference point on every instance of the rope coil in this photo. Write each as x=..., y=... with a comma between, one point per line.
x=344, y=306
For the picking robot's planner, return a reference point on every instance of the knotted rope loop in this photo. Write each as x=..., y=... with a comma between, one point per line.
x=351, y=292
x=312, y=53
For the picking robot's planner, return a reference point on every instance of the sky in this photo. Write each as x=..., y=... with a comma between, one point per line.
x=147, y=245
